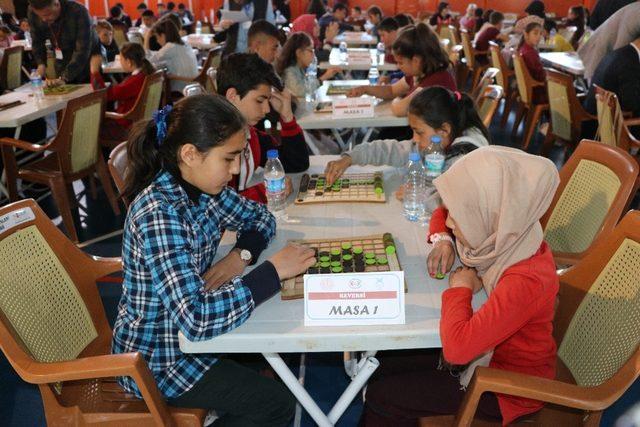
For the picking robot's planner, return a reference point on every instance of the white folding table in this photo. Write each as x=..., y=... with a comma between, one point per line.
x=569, y=62
x=336, y=60
x=355, y=38
x=277, y=326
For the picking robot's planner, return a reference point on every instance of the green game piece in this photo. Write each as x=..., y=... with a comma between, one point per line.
x=370, y=261
x=335, y=263
x=390, y=250
x=369, y=255
x=337, y=269
x=325, y=264
x=439, y=276
x=346, y=246
x=382, y=260
x=379, y=190
x=347, y=257
x=324, y=258
x=335, y=189
x=335, y=251
x=357, y=250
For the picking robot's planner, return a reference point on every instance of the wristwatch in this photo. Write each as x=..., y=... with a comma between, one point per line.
x=245, y=256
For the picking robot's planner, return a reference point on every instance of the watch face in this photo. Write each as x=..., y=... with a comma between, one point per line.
x=245, y=255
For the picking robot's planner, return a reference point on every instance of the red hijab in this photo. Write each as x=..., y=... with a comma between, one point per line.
x=306, y=24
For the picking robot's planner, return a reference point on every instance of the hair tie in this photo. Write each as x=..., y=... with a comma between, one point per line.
x=160, y=119
x=458, y=96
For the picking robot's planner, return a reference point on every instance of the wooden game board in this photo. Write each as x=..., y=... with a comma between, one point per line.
x=380, y=248
x=362, y=187
x=335, y=89
x=61, y=90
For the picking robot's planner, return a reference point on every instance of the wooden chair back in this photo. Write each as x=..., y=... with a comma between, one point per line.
x=469, y=51
x=212, y=60
x=77, y=140
x=596, y=187
x=120, y=35
x=454, y=35
x=488, y=102
x=11, y=68
x=118, y=167
x=488, y=78
x=149, y=98
x=212, y=84
x=206, y=28
x=566, y=110
x=497, y=61
x=612, y=128
x=524, y=82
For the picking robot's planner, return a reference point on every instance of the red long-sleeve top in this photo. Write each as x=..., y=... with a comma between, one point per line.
x=124, y=93
x=532, y=61
x=516, y=322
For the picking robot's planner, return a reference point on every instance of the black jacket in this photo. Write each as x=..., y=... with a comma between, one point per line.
x=618, y=72
x=604, y=9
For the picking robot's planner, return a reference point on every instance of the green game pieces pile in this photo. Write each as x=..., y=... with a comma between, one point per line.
x=349, y=258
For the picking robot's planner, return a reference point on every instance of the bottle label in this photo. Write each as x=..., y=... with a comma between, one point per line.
x=274, y=185
x=434, y=165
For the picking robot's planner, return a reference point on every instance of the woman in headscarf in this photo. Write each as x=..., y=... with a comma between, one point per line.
x=495, y=197
x=308, y=24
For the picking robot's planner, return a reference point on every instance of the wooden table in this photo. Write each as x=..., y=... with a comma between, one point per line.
x=569, y=62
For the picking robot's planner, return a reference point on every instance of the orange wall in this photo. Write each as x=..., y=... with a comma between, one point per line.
x=202, y=7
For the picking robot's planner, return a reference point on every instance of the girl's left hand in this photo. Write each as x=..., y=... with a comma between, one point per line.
x=281, y=102
x=465, y=277
x=224, y=270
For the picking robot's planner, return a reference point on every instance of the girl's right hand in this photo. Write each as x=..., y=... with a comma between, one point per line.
x=357, y=91
x=292, y=260
x=442, y=254
x=336, y=168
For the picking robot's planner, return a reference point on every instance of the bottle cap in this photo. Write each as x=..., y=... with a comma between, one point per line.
x=435, y=139
x=272, y=154
x=414, y=157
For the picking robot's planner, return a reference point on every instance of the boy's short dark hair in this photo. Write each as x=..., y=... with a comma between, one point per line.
x=262, y=27
x=181, y=6
x=171, y=5
x=115, y=11
x=403, y=20
x=357, y=8
x=374, y=10
x=142, y=6
x=388, y=24
x=550, y=24
x=149, y=13
x=340, y=6
x=245, y=72
x=495, y=18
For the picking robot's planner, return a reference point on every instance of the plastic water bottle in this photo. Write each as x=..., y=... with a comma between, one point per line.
x=37, y=86
x=380, y=51
x=344, y=53
x=373, y=75
x=198, y=28
x=415, y=189
x=274, y=184
x=311, y=82
x=434, y=159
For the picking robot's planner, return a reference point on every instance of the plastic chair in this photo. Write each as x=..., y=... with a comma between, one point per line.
x=488, y=102
x=527, y=107
x=596, y=187
x=567, y=114
x=613, y=128
x=54, y=331
x=117, y=164
x=488, y=78
x=193, y=89
x=597, y=331
x=72, y=155
x=11, y=68
x=148, y=101
x=471, y=56
x=504, y=79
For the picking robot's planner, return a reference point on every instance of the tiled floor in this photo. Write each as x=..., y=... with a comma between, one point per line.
x=20, y=403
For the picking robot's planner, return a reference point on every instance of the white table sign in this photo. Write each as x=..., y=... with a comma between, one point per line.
x=359, y=57
x=353, y=107
x=350, y=299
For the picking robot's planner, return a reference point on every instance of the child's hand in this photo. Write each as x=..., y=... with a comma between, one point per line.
x=331, y=32
x=442, y=254
x=95, y=64
x=331, y=72
x=400, y=193
x=465, y=277
x=224, y=270
x=281, y=102
x=357, y=91
x=336, y=168
x=292, y=260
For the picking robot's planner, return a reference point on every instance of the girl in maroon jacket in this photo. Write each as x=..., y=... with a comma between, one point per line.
x=495, y=197
x=527, y=49
x=124, y=94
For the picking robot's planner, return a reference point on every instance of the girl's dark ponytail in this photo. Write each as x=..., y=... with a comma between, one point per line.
x=143, y=158
x=437, y=105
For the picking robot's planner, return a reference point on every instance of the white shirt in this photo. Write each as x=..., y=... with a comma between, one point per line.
x=180, y=60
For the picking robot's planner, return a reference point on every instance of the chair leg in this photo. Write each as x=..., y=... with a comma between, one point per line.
x=530, y=128
x=105, y=179
x=92, y=186
x=548, y=143
x=508, y=106
x=520, y=114
x=11, y=171
x=61, y=197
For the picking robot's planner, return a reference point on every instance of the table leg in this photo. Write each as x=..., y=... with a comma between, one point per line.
x=296, y=388
x=3, y=188
x=339, y=139
x=368, y=367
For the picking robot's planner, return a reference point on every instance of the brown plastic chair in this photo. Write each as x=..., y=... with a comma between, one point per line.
x=504, y=79
x=118, y=168
x=613, y=128
x=596, y=187
x=471, y=56
x=567, y=114
x=148, y=101
x=598, y=354
x=74, y=154
x=54, y=331
x=488, y=102
x=11, y=68
x=527, y=108
x=488, y=78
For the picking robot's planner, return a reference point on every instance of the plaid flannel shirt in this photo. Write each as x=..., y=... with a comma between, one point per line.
x=169, y=243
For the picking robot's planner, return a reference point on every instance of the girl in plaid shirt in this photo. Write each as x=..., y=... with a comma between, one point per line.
x=179, y=166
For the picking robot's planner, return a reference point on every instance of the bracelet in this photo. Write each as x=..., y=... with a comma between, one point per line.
x=438, y=237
